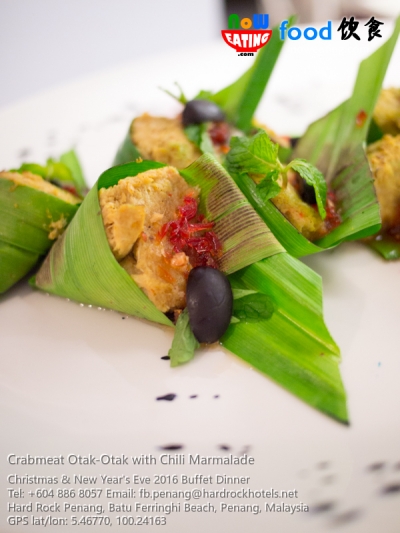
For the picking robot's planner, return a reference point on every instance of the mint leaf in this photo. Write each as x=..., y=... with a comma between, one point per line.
x=184, y=342
x=39, y=170
x=198, y=134
x=264, y=147
x=59, y=171
x=193, y=133
x=252, y=155
x=240, y=293
x=313, y=177
x=259, y=155
x=268, y=188
x=52, y=170
x=67, y=170
x=253, y=307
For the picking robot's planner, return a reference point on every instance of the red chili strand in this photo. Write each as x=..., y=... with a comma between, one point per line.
x=189, y=233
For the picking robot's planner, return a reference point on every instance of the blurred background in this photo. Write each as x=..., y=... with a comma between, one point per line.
x=315, y=10
x=45, y=43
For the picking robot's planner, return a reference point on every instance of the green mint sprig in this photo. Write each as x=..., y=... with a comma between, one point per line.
x=198, y=134
x=184, y=343
x=251, y=306
x=259, y=155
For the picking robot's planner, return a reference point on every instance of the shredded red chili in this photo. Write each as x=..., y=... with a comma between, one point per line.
x=69, y=188
x=333, y=219
x=219, y=133
x=190, y=233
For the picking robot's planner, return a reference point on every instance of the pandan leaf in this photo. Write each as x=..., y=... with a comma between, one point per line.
x=277, y=327
x=70, y=160
x=15, y=263
x=245, y=236
x=28, y=217
x=240, y=99
x=386, y=246
x=127, y=151
x=293, y=346
x=66, y=171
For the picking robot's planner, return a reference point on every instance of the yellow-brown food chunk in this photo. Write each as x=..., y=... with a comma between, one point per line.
x=387, y=111
x=302, y=215
x=384, y=158
x=124, y=225
x=133, y=213
x=34, y=181
x=163, y=139
x=27, y=179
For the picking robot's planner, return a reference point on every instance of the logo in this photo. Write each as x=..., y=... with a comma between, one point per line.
x=255, y=33
x=247, y=39
x=310, y=33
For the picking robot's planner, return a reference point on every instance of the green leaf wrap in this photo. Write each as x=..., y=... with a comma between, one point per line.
x=26, y=215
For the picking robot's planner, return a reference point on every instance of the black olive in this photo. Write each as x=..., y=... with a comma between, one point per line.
x=209, y=303
x=307, y=193
x=198, y=111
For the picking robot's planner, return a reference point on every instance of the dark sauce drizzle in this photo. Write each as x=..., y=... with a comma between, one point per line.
x=323, y=507
x=167, y=397
x=392, y=488
x=374, y=467
x=346, y=517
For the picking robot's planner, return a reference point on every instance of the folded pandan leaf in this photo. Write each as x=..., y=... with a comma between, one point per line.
x=292, y=345
x=245, y=237
x=387, y=247
x=66, y=172
x=33, y=213
x=127, y=151
x=238, y=100
x=84, y=247
x=71, y=161
x=335, y=145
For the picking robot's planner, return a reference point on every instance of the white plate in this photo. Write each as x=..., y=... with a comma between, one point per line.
x=79, y=380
